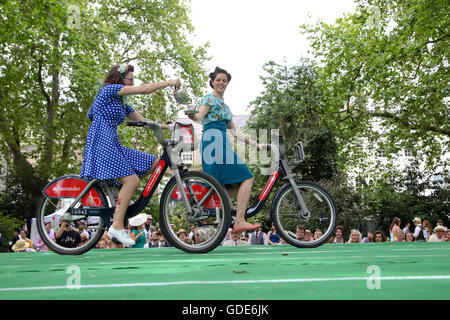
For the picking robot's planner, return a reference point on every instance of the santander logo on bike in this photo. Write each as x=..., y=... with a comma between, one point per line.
x=59, y=189
x=153, y=179
x=66, y=188
x=268, y=186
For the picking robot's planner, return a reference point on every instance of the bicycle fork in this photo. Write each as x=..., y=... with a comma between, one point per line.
x=304, y=212
x=187, y=205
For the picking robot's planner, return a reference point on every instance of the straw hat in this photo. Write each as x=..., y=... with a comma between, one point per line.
x=441, y=228
x=418, y=220
x=181, y=231
x=138, y=220
x=20, y=245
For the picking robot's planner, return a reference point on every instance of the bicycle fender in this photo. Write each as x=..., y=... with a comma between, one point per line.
x=70, y=186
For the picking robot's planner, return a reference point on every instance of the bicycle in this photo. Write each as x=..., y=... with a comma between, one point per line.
x=296, y=202
x=186, y=200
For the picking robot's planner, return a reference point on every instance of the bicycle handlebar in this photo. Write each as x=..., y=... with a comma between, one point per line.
x=277, y=152
x=154, y=126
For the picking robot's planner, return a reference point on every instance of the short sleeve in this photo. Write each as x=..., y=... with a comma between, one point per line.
x=112, y=89
x=208, y=99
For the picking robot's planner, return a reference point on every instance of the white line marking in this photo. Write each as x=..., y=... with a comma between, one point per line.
x=226, y=282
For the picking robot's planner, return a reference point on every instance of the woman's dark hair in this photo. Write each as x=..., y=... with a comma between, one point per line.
x=115, y=77
x=383, y=237
x=396, y=221
x=214, y=74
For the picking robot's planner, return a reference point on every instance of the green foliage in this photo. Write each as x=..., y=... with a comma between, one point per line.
x=384, y=69
x=7, y=225
x=52, y=55
x=406, y=196
x=15, y=202
x=367, y=88
x=293, y=103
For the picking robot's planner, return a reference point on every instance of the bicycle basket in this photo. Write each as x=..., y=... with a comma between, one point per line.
x=184, y=135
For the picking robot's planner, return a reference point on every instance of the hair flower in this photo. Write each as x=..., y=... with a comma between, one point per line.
x=122, y=68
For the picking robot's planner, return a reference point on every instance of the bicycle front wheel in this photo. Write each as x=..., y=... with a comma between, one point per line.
x=81, y=232
x=206, y=226
x=304, y=229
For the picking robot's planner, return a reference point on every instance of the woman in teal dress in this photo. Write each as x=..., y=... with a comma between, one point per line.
x=218, y=156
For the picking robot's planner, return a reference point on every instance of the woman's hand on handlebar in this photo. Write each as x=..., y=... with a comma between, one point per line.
x=164, y=126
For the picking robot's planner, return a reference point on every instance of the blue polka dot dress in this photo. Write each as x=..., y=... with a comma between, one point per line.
x=104, y=156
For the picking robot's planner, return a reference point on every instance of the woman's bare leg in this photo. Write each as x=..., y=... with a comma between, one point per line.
x=233, y=190
x=126, y=193
x=243, y=197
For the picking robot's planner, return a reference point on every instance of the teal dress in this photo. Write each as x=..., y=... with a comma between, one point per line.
x=218, y=157
x=140, y=241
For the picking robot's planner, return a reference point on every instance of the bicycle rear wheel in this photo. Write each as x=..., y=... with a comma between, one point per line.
x=287, y=215
x=211, y=217
x=56, y=198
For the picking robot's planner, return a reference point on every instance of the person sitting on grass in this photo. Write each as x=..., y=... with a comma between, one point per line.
x=273, y=237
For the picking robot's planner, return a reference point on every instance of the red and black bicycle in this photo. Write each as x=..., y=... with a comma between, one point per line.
x=296, y=203
x=191, y=200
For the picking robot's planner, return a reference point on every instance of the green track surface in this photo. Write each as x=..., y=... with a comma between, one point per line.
x=407, y=271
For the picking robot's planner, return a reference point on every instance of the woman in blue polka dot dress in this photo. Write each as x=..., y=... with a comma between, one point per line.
x=104, y=156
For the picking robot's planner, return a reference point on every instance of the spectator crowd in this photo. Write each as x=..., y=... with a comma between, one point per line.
x=147, y=235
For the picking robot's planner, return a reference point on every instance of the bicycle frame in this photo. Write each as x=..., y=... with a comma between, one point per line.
x=169, y=158
x=106, y=212
x=284, y=172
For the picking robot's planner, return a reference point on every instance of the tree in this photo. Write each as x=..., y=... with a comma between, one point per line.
x=53, y=53
x=292, y=102
x=385, y=71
